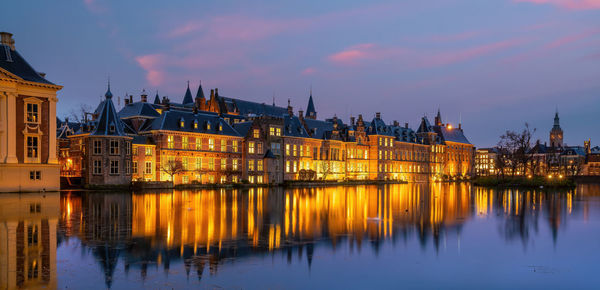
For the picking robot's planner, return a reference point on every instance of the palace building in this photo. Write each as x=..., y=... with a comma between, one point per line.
x=28, y=148
x=229, y=140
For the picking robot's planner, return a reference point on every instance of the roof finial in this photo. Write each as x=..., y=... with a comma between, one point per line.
x=273, y=98
x=311, y=90
x=108, y=94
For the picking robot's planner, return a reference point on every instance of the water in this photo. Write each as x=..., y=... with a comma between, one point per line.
x=410, y=236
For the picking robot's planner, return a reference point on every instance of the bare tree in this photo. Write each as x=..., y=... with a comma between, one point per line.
x=79, y=115
x=172, y=168
x=517, y=147
x=325, y=167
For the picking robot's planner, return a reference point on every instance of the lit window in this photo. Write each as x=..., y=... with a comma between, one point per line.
x=259, y=148
x=255, y=133
x=251, y=179
x=250, y=147
x=234, y=145
x=223, y=163
x=287, y=166
x=198, y=144
x=32, y=147
x=259, y=165
x=287, y=149
x=234, y=164
x=211, y=163
x=220, y=127
x=295, y=150
x=251, y=165
x=170, y=142
x=272, y=131
x=259, y=179
x=211, y=144
x=184, y=142
x=148, y=151
x=223, y=145
x=195, y=124
x=295, y=166
x=198, y=163
x=207, y=125
x=32, y=113
x=278, y=131
x=184, y=163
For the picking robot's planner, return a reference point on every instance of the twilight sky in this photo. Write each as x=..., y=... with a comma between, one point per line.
x=495, y=63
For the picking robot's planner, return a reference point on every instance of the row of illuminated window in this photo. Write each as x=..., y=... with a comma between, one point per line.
x=198, y=144
x=209, y=163
x=147, y=167
x=412, y=155
x=400, y=168
x=386, y=142
x=146, y=149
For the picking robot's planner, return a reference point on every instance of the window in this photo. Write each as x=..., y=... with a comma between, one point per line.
x=127, y=167
x=287, y=166
x=259, y=148
x=276, y=148
x=207, y=125
x=295, y=150
x=97, y=167
x=170, y=142
x=223, y=163
x=234, y=145
x=272, y=131
x=295, y=166
x=259, y=179
x=35, y=175
x=135, y=167
x=185, y=179
x=259, y=165
x=220, y=127
x=198, y=163
x=97, y=147
x=184, y=163
x=223, y=145
x=32, y=147
x=251, y=165
x=278, y=131
x=250, y=147
x=128, y=148
x=251, y=179
x=33, y=113
x=198, y=143
x=211, y=144
x=135, y=150
x=211, y=163
x=223, y=179
x=114, y=167
x=184, y=142
x=195, y=124
x=32, y=235
x=148, y=151
x=287, y=149
x=235, y=164
x=114, y=147
x=255, y=133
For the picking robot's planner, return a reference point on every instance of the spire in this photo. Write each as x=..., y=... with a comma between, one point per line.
x=108, y=94
x=311, y=113
x=200, y=92
x=438, y=118
x=556, y=120
x=156, y=99
x=188, y=95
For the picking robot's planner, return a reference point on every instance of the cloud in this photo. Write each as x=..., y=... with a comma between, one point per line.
x=568, y=4
x=308, y=71
x=154, y=64
x=353, y=54
x=94, y=6
x=450, y=57
x=572, y=38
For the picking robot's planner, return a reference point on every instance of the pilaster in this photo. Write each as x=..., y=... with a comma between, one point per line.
x=11, y=128
x=52, y=158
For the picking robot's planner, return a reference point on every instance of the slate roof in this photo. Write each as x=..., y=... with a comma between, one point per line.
x=142, y=140
x=13, y=62
x=378, y=127
x=138, y=109
x=170, y=120
x=293, y=127
x=574, y=150
x=187, y=99
x=200, y=92
x=451, y=135
x=310, y=109
x=318, y=128
x=156, y=99
x=269, y=154
x=108, y=123
x=425, y=126
x=247, y=108
x=243, y=128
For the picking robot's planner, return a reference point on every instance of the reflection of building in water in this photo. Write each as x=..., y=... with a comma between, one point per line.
x=102, y=221
x=522, y=210
x=28, y=240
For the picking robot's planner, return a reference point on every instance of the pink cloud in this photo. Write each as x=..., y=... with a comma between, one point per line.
x=94, y=6
x=308, y=71
x=571, y=38
x=154, y=65
x=353, y=54
x=568, y=4
x=450, y=57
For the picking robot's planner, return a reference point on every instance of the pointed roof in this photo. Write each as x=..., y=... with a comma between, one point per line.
x=200, y=92
x=108, y=123
x=187, y=99
x=156, y=99
x=425, y=126
x=310, y=109
x=556, y=121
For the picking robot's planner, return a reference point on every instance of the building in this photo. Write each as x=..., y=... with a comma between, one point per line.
x=556, y=133
x=485, y=161
x=229, y=140
x=28, y=157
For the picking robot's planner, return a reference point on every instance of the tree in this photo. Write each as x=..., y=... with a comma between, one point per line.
x=517, y=147
x=172, y=168
x=79, y=115
x=325, y=168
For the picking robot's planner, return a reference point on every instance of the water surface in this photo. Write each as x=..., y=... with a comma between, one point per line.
x=411, y=235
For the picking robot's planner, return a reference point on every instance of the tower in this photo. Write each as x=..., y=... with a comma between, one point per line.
x=311, y=113
x=438, y=119
x=556, y=134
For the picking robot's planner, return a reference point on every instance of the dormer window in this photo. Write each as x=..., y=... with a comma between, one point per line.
x=111, y=128
x=207, y=125
x=220, y=127
x=195, y=124
x=181, y=123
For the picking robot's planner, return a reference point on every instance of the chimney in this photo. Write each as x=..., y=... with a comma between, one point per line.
x=406, y=125
x=378, y=115
x=352, y=121
x=459, y=126
x=396, y=124
x=131, y=99
x=126, y=101
x=144, y=96
x=6, y=39
x=301, y=115
x=290, y=108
